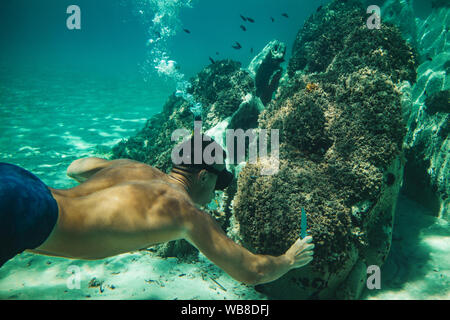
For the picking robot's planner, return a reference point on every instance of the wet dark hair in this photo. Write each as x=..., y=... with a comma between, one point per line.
x=224, y=177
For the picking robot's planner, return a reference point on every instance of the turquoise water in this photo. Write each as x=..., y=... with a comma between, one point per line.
x=66, y=94
x=77, y=114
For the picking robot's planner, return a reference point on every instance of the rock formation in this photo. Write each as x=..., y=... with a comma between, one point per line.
x=266, y=70
x=426, y=110
x=341, y=133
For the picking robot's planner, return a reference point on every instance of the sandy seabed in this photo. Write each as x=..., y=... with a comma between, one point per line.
x=418, y=267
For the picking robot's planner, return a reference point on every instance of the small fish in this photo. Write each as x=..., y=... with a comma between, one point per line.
x=158, y=34
x=186, y=30
x=243, y=28
x=251, y=50
x=237, y=46
x=319, y=8
x=212, y=60
x=271, y=18
x=429, y=59
x=285, y=15
x=243, y=18
x=217, y=53
x=250, y=20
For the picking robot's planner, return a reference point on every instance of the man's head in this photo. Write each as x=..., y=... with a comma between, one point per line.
x=202, y=179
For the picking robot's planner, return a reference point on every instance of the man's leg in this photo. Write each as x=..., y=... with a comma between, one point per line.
x=28, y=211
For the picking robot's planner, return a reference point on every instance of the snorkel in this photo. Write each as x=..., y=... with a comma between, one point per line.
x=195, y=107
x=224, y=177
x=196, y=110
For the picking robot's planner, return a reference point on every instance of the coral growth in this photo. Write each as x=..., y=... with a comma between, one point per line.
x=383, y=50
x=323, y=35
x=310, y=87
x=336, y=145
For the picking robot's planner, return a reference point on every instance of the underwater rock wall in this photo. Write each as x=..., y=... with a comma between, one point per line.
x=426, y=109
x=341, y=133
x=427, y=141
x=266, y=70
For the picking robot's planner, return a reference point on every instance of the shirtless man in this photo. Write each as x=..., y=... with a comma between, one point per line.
x=124, y=205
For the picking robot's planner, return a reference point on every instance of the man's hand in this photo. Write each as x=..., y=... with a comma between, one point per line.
x=300, y=253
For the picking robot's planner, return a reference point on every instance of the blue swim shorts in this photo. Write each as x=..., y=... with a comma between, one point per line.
x=28, y=211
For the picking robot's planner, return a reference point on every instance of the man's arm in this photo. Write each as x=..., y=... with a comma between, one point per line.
x=82, y=169
x=205, y=234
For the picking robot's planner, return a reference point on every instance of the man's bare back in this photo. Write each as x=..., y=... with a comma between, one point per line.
x=124, y=205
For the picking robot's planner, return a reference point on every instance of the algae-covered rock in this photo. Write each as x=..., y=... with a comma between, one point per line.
x=220, y=88
x=341, y=133
x=339, y=31
x=323, y=35
x=383, y=50
x=266, y=70
x=353, y=158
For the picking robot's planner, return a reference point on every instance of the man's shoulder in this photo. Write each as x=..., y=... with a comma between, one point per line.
x=159, y=187
x=158, y=196
x=122, y=170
